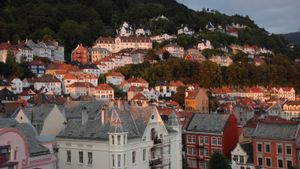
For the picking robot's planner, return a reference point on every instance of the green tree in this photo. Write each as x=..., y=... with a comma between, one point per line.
x=218, y=161
x=179, y=96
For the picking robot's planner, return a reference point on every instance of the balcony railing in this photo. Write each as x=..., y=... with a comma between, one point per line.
x=155, y=162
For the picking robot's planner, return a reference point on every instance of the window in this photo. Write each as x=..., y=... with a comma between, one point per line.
x=191, y=151
x=235, y=158
x=242, y=159
x=192, y=163
x=113, y=160
x=268, y=162
x=119, y=140
x=112, y=140
x=68, y=156
x=90, y=158
x=259, y=147
x=124, y=159
x=280, y=163
x=119, y=160
x=80, y=157
x=259, y=160
x=289, y=164
x=206, y=152
x=205, y=139
x=201, y=140
x=267, y=148
x=288, y=149
x=144, y=154
x=219, y=140
x=214, y=141
x=124, y=139
x=191, y=139
x=201, y=151
x=279, y=149
x=133, y=157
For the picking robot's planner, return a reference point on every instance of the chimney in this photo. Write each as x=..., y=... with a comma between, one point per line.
x=102, y=116
x=84, y=115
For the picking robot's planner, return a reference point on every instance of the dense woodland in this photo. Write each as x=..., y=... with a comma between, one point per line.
x=76, y=21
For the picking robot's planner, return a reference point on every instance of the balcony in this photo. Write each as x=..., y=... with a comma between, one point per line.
x=155, y=162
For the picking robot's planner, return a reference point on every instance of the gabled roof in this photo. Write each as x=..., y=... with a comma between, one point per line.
x=82, y=84
x=119, y=118
x=210, y=123
x=277, y=131
x=139, y=96
x=116, y=74
x=104, y=86
x=34, y=146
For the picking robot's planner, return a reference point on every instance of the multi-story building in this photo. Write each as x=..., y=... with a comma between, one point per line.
x=104, y=92
x=37, y=67
x=164, y=89
x=6, y=50
x=116, y=44
x=138, y=82
x=197, y=100
x=175, y=50
x=17, y=85
x=221, y=60
x=242, y=156
x=206, y=134
x=275, y=145
x=50, y=50
x=284, y=93
x=71, y=78
x=90, y=69
x=78, y=89
x=291, y=109
x=99, y=53
x=49, y=83
x=80, y=54
x=115, y=78
x=120, y=137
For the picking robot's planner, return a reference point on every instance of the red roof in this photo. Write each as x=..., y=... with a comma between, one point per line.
x=6, y=46
x=139, y=96
x=117, y=74
x=104, y=86
x=135, y=89
x=82, y=84
x=176, y=83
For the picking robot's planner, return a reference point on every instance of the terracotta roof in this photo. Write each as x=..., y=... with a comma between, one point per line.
x=292, y=103
x=136, y=80
x=176, y=83
x=69, y=76
x=104, y=86
x=82, y=84
x=115, y=74
x=135, y=89
x=139, y=96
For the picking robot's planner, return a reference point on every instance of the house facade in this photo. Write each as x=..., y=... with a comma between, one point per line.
x=116, y=140
x=196, y=100
x=104, y=92
x=275, y=145
x=242, y=156
x=50, y=83
x=116, y=44
x=80, y=54
x=115, y=78
x=206, y=134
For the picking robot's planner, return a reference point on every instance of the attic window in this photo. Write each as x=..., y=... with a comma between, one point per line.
x=152, y=117
x=21, y=117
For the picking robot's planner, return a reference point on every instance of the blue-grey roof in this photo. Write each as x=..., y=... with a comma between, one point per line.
x=280, y=131
x=213, y=123
x=35, y=148
x=118, y=119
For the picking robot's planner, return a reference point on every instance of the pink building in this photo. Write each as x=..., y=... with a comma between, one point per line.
x=21, y=148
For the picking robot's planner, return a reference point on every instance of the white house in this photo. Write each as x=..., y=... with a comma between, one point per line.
x=204, y=45
x=116, y=44
x=17, y=85
x=142, y=32
x=115, y=78
x=49, y=82
x=242, y=156
x=125, y=30
x=185, y=30
x=221, y=60
x=175, y=50
x=163, y=37
x=121, y=137
x=78, y=89
x=104, y=92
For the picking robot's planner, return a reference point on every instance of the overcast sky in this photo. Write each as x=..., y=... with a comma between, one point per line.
x=276, y=16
